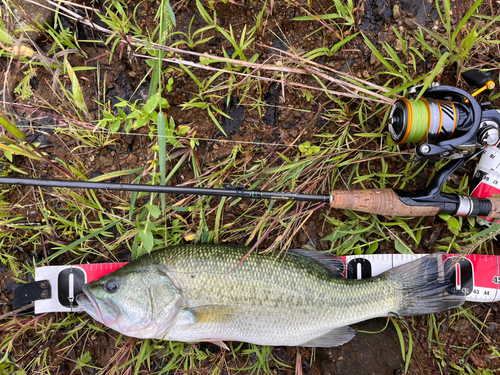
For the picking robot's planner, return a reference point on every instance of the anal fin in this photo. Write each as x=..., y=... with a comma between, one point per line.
x=335, y=337
x=219, y=343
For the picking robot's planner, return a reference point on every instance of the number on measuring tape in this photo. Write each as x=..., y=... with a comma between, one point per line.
x=70, y=282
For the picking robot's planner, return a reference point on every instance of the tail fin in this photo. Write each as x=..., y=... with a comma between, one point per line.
x=426, y=286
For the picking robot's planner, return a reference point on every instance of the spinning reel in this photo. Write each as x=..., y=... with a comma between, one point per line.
x=446, y=121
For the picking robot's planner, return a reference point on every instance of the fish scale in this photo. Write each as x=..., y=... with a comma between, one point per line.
x=203, y=293
x=303, y=296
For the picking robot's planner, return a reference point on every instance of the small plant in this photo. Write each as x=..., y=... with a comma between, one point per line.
x=329, y=52
x=458, y=48
x=246, y=39
x=136, y=118
x=344, y=12
x=205, y=101
x=190, y=37
x=307, y=149
x=117, y=19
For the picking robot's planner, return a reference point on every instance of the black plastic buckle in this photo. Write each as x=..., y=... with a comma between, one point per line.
x=30, y=292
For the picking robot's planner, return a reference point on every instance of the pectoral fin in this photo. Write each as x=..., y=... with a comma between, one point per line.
x=210, y=314
x=336, y=337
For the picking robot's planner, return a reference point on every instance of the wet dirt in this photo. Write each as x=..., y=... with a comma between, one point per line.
x=118, y=75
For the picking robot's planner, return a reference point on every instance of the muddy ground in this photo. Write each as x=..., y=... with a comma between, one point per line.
x=281, y=122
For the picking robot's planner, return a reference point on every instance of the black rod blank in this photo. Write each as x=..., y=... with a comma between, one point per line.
x=237, y=192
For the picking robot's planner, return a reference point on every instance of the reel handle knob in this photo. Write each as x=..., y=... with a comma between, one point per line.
x=482, y=80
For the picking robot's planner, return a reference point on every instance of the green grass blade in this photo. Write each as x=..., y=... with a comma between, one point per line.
x=465, y=18
x=80, y=241
x=218, y=220
x=437, y=70
x=379, y=56
x=162, y=153
x=401, y=338
x=108, y=176
x=11, y=126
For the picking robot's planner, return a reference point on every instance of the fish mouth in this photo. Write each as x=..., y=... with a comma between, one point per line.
x=92, y=306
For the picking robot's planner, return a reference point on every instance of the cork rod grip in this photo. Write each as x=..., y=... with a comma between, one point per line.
x=380, y=201
x=495, y=207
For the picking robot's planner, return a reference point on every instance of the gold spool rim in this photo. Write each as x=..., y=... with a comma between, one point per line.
x=410, y=121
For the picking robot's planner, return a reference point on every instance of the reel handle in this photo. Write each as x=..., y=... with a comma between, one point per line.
x=477, y=78
x=388, y=202
x=495, y=207
x=379, y=201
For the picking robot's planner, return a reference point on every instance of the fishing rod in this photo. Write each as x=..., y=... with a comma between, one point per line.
x=443, y=121
x=427, y=202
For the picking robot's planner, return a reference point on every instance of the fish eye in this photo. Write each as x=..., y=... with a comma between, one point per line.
x=111, y=286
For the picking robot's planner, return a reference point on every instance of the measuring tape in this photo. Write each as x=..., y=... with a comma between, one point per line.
x=486, y=179
x=55, y=287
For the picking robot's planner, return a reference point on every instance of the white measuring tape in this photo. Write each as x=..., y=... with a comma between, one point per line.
x=486, y=179
x=477, y=276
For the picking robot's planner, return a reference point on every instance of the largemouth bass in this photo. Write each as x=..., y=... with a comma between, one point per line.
x=197, y=293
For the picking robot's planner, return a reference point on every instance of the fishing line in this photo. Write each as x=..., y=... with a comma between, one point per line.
x=214, y=140
x=337, y=149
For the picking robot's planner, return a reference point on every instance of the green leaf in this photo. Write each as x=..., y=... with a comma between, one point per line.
x=183, y=129
x=8, y=155
x=379, y=56
x=147, y=240
x=454, y=225
x=401, y=338
x=330, y=16
x=304, y=146
x=171, y=13
x=154, y=210
x=465, y=18
x=180, y=209
x=151, y=104
x=372, y=248
x=76, y=89
x=401, y=247
x=20, y=151
x=436, y=36
x=17, y=169
x=204, y=13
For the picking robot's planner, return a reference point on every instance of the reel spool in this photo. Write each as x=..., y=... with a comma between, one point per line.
x=427, y=120
x=446, y=121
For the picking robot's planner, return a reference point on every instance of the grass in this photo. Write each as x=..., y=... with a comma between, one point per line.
x=332, y=134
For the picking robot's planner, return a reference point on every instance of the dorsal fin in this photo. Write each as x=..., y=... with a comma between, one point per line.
x=330, y=262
